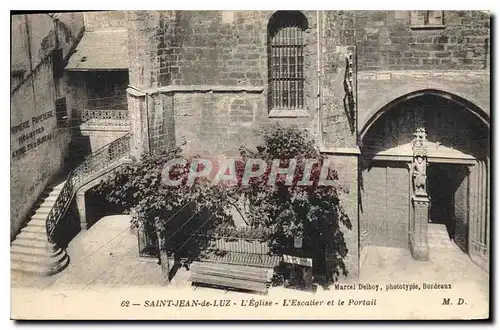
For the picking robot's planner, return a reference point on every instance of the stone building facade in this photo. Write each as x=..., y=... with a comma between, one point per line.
x=377, y=90
x=369, y=78
x=40, y=120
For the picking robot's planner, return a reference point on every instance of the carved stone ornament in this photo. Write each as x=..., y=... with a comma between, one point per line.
x=419, y=142
x=349, y=89
x=420, y=146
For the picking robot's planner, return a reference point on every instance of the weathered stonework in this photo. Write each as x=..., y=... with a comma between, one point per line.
x=197, y=70
x=385, y=40
x=202, y=76
x=217, y=50
x=34, y=38
x=376, y=89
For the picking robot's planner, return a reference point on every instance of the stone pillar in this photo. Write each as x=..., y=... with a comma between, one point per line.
x=82, y=211
x=142, y=26
x=164, y=260
x=153, y=54
x=419, y=245
x=138, y=109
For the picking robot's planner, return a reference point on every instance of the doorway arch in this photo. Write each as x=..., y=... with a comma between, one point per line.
x=458, y=135
x=396, y=97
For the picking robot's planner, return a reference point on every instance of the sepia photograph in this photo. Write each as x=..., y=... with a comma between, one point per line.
x=250, y=165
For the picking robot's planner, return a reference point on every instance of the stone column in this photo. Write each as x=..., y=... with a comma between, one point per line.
x=419, y=245
x=82, y=211
x=164, y=260
x=153, y=54
x=138, y=108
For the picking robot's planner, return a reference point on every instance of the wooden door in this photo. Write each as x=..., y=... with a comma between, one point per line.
x=384, y=209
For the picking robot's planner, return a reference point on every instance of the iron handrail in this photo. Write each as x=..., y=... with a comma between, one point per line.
x=92, y=164
x=117, y=117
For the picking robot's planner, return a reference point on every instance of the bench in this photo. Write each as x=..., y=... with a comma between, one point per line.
x=231, y=276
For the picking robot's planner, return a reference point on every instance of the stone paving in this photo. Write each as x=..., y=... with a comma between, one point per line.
x=105, y=267
x=106, y=257
x=396, y=265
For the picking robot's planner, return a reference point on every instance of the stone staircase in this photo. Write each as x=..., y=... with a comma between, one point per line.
x=31, y=252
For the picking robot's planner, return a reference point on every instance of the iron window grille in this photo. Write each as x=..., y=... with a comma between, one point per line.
x=286, y=45
x=61, y=112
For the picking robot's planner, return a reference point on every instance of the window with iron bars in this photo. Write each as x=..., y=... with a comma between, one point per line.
x=61, y=112
x=286, y=45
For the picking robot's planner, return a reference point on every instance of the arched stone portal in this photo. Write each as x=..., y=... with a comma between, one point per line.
x=451, y=201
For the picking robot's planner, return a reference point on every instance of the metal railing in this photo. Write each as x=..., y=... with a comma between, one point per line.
x=106, y=117
x=92, y=164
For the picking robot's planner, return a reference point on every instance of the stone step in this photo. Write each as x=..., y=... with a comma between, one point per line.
x=28, y=259
x=45, y=203
x=34, y=229
x=29, y=268
x=30, y=251
x=50, y=266
x=51, y=198
x=43, y=210
x=34, y=250
x=59, y=186
x=39, y=216
x=29, y=242
x=39, y=236
x=37, y=222
x=55, y=191
x=39, y=258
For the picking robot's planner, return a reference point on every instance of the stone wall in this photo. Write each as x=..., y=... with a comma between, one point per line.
x=43, y=154
x=38, y=144
x=376, y=89
x=97, y=136
x=162, y=122
x=95, y=20
x=336, y=43
x=394, y=58
x=203, y=77
x=215, y=65
x=20, y=45
x=386, y=41
x=347, y=169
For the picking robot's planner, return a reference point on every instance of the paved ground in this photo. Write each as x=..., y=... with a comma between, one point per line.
x=106, y=256
x=447, y=264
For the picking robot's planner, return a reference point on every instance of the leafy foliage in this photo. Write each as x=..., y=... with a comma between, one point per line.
x=312, y=212
x=277, y=212
x=171, y=211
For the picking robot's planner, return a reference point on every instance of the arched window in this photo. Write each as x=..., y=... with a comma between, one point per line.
x=286, y=43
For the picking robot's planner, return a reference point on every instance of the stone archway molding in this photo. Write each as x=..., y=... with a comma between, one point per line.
x=93, y=181
x=400, y=95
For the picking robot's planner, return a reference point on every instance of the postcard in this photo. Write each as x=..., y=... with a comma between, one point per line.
x=242, y=165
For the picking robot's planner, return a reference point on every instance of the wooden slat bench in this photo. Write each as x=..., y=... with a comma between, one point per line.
x=231, y=276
